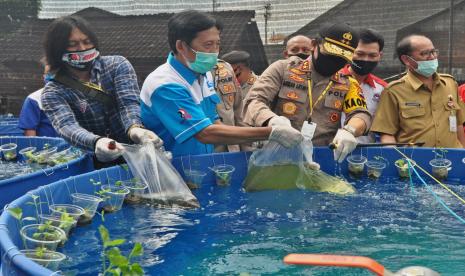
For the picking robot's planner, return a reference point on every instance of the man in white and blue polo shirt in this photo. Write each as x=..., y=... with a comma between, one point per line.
x=179, y=100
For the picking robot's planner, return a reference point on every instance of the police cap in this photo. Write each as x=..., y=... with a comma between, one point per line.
x=235, y=57
x=339, y=39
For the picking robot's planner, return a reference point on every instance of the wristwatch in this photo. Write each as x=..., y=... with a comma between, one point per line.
x=350, y=129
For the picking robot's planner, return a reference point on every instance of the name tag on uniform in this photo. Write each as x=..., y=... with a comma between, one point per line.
x=308, y=130
x=452, y=123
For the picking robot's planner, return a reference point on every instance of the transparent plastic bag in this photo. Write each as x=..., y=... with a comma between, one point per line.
x=275, y=167
x=165, y=184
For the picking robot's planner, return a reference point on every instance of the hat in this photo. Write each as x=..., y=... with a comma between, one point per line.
x=339, y=39
x=235, y=57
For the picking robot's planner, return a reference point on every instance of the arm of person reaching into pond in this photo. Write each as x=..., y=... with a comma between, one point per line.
x=357, y=123
x=219, y=133
x=257, y=104
x=345, y=140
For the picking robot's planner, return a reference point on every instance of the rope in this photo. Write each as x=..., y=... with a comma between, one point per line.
x=437, y=197
x=439, y=182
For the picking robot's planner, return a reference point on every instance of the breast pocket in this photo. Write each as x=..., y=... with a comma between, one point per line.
x=335, y=100
x=412, y=112
x=413, y=117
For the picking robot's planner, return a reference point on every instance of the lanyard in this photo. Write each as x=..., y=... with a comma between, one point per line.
x=93, y=86
x=319, y=98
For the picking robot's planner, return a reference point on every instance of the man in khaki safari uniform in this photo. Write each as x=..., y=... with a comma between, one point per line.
x=422, y=106
x=240, y=62
x=230, y=109
x=310, y=94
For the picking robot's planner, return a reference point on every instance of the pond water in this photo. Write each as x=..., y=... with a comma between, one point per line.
x=12, y=169
x=236, y=232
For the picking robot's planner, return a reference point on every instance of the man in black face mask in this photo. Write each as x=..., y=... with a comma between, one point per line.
x=91, y=100
x=311, y=95
x=299, y=46
x=366, y=56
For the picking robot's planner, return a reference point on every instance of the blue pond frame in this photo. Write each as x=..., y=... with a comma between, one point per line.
x=14, y=263
x=17, y=186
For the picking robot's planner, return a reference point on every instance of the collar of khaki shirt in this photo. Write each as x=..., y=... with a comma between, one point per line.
x=416, y=83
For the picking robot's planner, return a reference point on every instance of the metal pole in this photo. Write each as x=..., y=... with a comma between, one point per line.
x=451, y=38
x=267, y=15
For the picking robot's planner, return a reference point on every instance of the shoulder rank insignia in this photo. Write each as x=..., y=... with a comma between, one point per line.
x=297, y=71
x=251, y=80
x=305, y=66
x=296, y=78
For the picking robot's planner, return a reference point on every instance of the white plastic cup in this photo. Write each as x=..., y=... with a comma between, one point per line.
x=33, y=236
x=375, y=168
x=223, y=174
x=113, y=197
x=356, y=164
x=87, y=202
x=194, y=178
x=27, y=152
x=440, y=167
x=136, y=190
x=46, y=258
x=9, y=151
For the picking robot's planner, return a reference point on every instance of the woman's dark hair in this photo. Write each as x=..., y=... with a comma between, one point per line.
x=187, y=24
x=57, y=36
x=368, y=36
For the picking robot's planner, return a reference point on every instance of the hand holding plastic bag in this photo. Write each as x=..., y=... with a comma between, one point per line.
x=140, y=136
x=107, y=149
x=285, y=135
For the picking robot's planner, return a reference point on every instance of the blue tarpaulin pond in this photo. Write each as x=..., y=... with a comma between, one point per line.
x=394, y=221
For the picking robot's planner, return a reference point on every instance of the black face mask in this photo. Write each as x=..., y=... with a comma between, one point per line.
x=300, y=55
x=363, y=67
x=327, y=65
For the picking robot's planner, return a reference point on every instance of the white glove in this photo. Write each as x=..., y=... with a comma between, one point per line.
x=285, y=135
x=279, y=121
x=106, y=154
x=312, y=165
x=345, y=143
x=140, y=135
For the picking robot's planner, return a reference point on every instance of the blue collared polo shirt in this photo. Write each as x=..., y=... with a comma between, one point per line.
x=177, y=103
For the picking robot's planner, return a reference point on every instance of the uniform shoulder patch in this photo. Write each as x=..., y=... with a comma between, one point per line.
x=396, y=82
x=446, y=75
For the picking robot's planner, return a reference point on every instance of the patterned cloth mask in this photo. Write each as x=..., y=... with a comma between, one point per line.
x=80, y=60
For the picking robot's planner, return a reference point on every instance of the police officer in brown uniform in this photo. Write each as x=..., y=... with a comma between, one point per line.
x=230, y=109
x=422, y=106
x=240, y=62
x=309, y=94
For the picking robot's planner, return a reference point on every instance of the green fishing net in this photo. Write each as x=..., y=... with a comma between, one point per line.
x=275, y=167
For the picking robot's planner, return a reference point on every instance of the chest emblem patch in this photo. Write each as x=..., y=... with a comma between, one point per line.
x=289, y=108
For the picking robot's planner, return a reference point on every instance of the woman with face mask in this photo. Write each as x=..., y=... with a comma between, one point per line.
x=91, y=100
x=179, y=99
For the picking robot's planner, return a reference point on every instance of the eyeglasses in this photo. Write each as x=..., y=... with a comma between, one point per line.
x=427, y=53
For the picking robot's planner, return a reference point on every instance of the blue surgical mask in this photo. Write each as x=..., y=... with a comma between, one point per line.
x=203, y=62
x=426, y=68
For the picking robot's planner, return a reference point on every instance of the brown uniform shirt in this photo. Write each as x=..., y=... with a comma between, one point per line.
x=248, y=84
x=411, y=112
x=230, y=109
x=283, y=90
